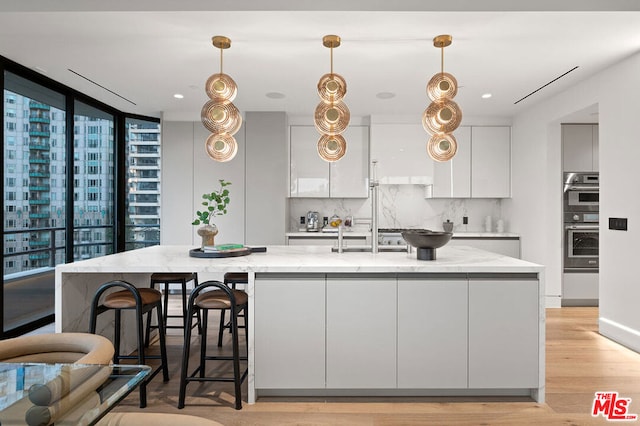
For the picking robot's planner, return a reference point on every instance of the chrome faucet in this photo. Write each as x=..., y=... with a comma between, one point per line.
x=374, y=186
x=340, y=238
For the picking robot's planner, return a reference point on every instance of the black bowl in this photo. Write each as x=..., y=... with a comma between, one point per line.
x=426, y=241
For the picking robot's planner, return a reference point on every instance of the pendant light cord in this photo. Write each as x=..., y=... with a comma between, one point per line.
x=221, y=60
x=331, y=59
x=442, y=59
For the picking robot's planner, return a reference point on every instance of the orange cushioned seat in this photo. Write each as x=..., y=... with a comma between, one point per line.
x=124, y=299
x=218, y=299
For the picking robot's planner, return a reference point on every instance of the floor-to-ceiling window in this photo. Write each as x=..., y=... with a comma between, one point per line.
x=93, y=182
x=34, y=197
x=143, y=183
x=80, y=180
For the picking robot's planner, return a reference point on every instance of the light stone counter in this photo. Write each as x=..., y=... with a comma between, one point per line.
x=360, y=233
x=77, y=282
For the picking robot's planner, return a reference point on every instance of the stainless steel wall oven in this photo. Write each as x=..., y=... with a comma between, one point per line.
x=581, y=222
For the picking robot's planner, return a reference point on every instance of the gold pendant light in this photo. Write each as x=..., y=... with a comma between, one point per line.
x=332, y=148
x=332, y=118
x=221, y=147
x=442, y=146
x=332, y=114
x=219, y=115
x=443, y=115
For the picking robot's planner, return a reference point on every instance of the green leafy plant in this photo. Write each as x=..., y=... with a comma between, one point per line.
x=216, y=204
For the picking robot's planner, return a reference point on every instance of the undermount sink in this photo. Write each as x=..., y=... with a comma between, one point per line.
x=364, y=249
x=426, y=241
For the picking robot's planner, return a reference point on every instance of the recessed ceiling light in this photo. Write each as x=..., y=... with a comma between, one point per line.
x=486, y=95
x=385, y=95
x=275, y=95
x=178, y=96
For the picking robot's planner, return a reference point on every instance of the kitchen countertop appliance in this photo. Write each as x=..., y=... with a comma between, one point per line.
x=581, y=222
x=313, y=221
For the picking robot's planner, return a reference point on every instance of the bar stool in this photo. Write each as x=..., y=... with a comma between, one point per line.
x=142, y=300
x=167, y=278
x=231, y=279
x=221, y=299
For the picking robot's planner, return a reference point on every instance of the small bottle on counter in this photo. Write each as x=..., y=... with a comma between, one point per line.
x=500, y=226
x=487, y=224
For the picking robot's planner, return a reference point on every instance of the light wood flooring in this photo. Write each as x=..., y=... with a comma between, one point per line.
x=579, y=363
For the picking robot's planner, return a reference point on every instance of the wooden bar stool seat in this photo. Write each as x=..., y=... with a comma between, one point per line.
x=142, y=300
x=222, y=298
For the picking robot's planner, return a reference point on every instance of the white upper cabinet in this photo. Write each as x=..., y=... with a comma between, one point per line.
x=401, y=151
x=491, y=162
x=312, y=177
x=452, y=179
x=481, y=167
x=580, y=147
x=349, y=177
x=309, y=172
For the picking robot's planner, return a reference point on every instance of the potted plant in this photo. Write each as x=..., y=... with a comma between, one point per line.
x=215, y=204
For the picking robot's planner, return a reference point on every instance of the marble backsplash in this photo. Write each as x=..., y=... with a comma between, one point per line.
x=405, y=206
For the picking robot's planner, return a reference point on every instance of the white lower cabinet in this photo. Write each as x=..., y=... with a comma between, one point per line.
x=361, y=331
x=503, y=333
x=289, y=331
x=432, y=332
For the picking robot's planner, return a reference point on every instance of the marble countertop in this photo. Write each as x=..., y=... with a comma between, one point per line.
x=303, y=259
x=334, y=234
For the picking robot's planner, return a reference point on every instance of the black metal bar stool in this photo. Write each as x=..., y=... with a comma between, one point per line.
x=143, y=300
x=231, y=279
x=167, y=278
x=221, y=298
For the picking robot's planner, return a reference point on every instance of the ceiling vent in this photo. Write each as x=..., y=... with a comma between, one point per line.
x=100, y=86
x=542, y=87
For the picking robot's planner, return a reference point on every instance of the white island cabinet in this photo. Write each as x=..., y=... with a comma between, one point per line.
x=357, y=329
x=515, y=363
x=432, y=331
x=290, y=342
x=356, y=323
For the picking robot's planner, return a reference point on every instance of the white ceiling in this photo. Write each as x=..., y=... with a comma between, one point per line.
x=146, y=51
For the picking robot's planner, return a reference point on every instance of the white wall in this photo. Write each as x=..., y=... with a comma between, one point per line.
x=535, y=208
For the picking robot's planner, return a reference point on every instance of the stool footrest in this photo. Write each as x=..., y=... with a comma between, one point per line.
x=217, y=379
x=223, y=358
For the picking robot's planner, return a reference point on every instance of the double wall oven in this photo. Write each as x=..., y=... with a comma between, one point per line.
x=581, y=222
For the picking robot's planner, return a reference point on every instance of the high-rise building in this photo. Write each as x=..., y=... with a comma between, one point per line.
x=36, y=179
x=143, y=184
x=34, y=199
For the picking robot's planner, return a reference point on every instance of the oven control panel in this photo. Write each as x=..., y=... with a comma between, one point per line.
x=580, y=217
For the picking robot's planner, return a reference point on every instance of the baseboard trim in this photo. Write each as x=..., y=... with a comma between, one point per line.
x=620, y=333
x=552, y=301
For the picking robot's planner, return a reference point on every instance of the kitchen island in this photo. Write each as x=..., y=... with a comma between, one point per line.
x=322, y=323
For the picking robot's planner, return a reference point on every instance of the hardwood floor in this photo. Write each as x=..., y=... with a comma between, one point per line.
x=579, y=363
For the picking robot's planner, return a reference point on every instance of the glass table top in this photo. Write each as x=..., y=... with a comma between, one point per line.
x=34, y=393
